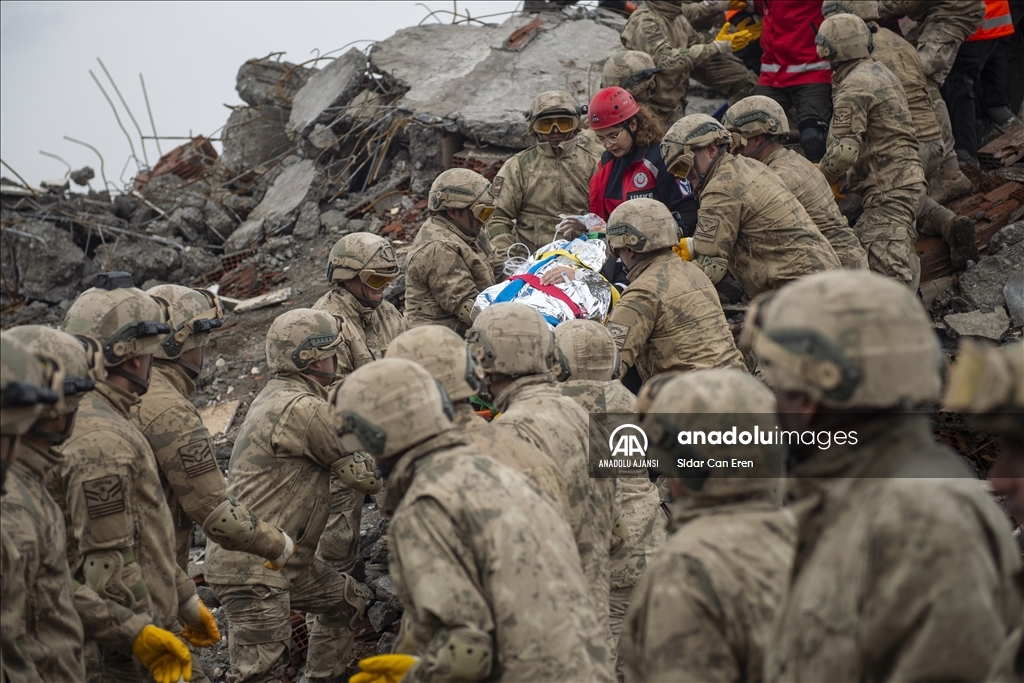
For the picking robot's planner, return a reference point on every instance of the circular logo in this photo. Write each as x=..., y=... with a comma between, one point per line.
x=628, y=440
x=641, y=179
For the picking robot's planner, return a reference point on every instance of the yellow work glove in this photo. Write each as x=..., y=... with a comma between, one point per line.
x=383, y=669
x=684, y=248
x=751, y=25
x=738, y=40
x=286, y=554
x=200, y=626
x=166, y=657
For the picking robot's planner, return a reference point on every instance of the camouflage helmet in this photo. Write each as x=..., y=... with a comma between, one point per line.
x=757, y=115
x=24, y=393
x=512, y=339
x=988, y=382
x=690, y=133
x=73, y=369
x=631, y=70
x=459, y=188
x=719, y=399
x=643, y=225
x=444, y=354
x=388, y=406
x=842, y=38
x=649, y=391
x=849, y=339
x=586, y=350
x=300, y=337
x=194, y=313
x=361, y=251
x=126, y=321
x=553, y=103
x=865, y=9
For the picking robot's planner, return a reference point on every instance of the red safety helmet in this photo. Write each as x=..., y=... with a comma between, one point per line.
x=611, y=107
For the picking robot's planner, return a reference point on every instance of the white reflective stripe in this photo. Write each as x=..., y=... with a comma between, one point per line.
x=651, y=168
x=803, y=68
x=994, y=22
x=771, y=68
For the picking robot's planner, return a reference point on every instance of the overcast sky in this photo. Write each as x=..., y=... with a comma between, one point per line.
x=188, y=52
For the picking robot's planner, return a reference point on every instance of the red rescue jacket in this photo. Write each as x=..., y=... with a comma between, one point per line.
x=641, y=173
x=788, y=56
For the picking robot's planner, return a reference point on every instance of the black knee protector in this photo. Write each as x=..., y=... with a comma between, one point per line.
x=812, y=139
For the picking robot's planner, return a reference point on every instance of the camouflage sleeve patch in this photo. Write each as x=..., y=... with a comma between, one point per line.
x=496, y=185
x=842, y=118
x=197, y=458
x=619, y=334
x=104, y=496
x=707, y=228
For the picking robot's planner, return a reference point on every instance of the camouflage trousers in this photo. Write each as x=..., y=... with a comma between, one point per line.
x=259, y=626
x=618, y=603
x=886, y=229
x=933, y=219
x=938, y=42
x=726, y=73
x=339, y=543
x=102, y=666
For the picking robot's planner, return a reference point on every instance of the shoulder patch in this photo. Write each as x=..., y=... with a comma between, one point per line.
x=496, y=185
x=197, y=458
x=707, y=228
x=104, y=496
x=619, y=333
x=842, y=117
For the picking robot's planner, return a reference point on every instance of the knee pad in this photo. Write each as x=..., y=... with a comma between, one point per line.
x=347, y=612
x=812, y=140
x=231, y=526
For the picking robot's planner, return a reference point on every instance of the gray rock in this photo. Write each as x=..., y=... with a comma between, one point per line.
x=322, y=137
x=218, y=221
x=188, y=221
x=388, y=607
x=1013, y=292
x=977, y=324
x=1010, y=234
x=308, y=223
x=333, y=86
x=297, y=184
x=982, y=285
x=142, y=258
x=334, y=221
x=48, y=265
x=83, y=175
x=208, y=596
x=266, y=82
x=386, y=643
x=254, y=135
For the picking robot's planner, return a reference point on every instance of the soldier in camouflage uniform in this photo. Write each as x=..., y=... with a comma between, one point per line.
x=905, y=566
x=588, y=360
x=359, y=267
x=24, y=402
x=704, y=609
x=659, y=28
x=872, y=137
x=670, y=316
x=535, y=187
x=485, y=567
x=120, y=531
x=447, y=266
x=749, y=224
x=448, y=359
x=516, y=349
x=634, y=71
x=761, y=124
x=43, y=609
x=988, y=383
x=901, y=59
x=280, y=469
x=191, y=480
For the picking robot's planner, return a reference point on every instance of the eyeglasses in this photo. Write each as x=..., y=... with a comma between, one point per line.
x=483, y=212
x=564, y=124
x=374, y=280
x=611, y=138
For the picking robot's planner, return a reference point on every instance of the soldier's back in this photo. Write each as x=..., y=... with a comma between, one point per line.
x=902, y=60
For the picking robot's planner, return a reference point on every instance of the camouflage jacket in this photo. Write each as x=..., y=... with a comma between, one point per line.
x=870, y=107
x=670, y=318
x=811, y=189
x=924, y=10
x=538, y=184
x=660, y=29
x=749, y=218
x=372, y=328
x=443, y=272
x=108, y=486
x=704, y=610
x=502, y=444
x=280, y=469
x=905, y=568
x=535, y=409
x=475, y=549
x=901, y=58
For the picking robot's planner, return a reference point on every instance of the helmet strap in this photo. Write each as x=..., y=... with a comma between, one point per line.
x=320, y=373
x=191, y=369
x=142, y=382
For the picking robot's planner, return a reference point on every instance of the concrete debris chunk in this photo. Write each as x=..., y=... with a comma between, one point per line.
x=333, y=86
x=42, y=260
x=977, y=324
x=284, y=197
x=83, y=175
x=253, y=135
x=1013, y=292
x=268, y=82
x=982, y=286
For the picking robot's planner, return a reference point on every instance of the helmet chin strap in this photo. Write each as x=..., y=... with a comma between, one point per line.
x=362, y=298
x=320, y=373
x=191, y=369
x=138, y=380
x=696, y=167
x=55, y=438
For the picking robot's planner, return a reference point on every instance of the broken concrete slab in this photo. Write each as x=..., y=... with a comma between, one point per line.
x=43, y=260
x=142, y=258
x=298, y=183
x=308, y=223
x=978, y=324
x=263, y=300
x=217, y=417
x=1013, y=292
x=267, y=82
x=332, y=86
x=461, y=75
x=254, y=135
x=982, y=286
